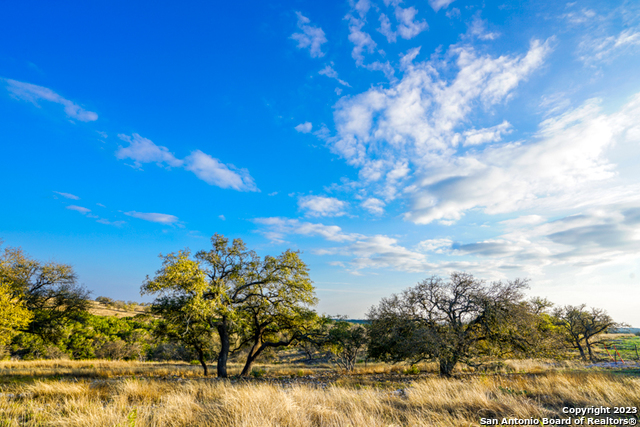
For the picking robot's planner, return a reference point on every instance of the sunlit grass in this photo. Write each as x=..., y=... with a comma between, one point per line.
x=156, y=394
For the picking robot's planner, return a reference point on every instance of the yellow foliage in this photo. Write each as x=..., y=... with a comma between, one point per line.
x=13, y=313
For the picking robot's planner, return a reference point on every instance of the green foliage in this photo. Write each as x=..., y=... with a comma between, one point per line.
x=449, y=321
x=13, y=314
x=411, y=370
x=231, y=292
x=580, y=326
x=345, y=342
x=258, y=373
x=48, y=290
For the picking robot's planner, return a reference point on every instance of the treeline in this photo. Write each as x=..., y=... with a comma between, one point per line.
x=120, y=305
x=227, y=302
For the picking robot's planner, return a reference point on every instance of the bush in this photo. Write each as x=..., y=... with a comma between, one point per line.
x=258, y=373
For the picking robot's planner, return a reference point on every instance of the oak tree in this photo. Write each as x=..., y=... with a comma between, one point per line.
x=230, y=289
x=442, y=320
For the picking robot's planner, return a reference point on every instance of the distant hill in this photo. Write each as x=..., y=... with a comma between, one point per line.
x=359, y=321
x=101, y=309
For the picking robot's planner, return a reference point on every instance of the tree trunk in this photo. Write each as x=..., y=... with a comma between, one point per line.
x=447, y=365
x=584, y=357
x=251, y=357
x=203, y=362
x=223, y=331
x=590, y=351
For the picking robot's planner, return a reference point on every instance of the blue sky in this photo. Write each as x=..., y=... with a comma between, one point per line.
x=386, y=140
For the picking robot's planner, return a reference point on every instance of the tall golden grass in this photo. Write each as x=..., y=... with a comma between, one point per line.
x=427, y=401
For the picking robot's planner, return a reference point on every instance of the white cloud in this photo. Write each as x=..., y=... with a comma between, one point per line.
x=594, y=49
x=304, y=127
x=385, y=28
x=154, y=217
x=68, y=195
x=482, y=136
x=214, y=172
x=333, y=74
x=594, y=237
x=438, y=246
x=566, y=158
x=365, y=252
x=381, y=251
x=80, y=209
x=107, y=222
x=209, y=169
x=408, y=28
x=478, y=29
x=580, y=17
x=440, y=4
x=311, y=37
x=322, y=206
x=522, y=221
x=453, y=13
x=362, y=41
x=361, y=6
x=32, y=93
x=374, y=206
x=278, y=228
x=143, y=150
x=418, y=115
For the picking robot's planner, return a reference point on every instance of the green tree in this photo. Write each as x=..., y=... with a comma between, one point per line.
x=581, y=326
x=278, y=313
x=443, y=320
x=217, y=288
x=49, y=291
x=13, y=314
x=183, y=323
x=346, y=342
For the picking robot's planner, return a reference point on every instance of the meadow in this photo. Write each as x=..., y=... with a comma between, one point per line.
x=118, y=393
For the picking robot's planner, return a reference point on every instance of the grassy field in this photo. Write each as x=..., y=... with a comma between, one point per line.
x=100, y=309
x=104, y=393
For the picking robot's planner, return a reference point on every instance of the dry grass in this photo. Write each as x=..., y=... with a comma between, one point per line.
x=100, y=309
x=115, y=369
x=427, y=401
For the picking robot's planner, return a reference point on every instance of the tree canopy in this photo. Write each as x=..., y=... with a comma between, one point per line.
x=233, y=291
x=443, y=320
x=49, y=291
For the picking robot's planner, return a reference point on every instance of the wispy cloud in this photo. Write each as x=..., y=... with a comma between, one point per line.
x=363, y=252
x=80, y=209
x=143, y=150
x=304, y=127
x=311, y=37
x=207, y=168
x=440, y=4
x=482, y=136
x=68, y=195
x=596, y=49
x=154, y=217
x=333, y=74
x=107, y=222
x=408, y=27
x=412, y=131
x=374, y=206
x=214, y=172
x=478, y=29
x=278, y=228
x=34, y=94
x=362, y=41
x=322, y=206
